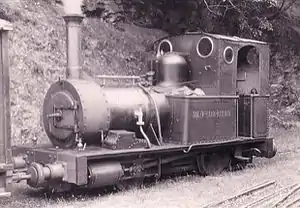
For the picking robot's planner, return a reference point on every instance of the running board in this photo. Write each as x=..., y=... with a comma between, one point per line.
x=243, y=159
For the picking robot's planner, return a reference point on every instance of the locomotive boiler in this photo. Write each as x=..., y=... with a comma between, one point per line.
x=201, y=107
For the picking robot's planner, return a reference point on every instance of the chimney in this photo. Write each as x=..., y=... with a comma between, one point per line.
x=73, y=26
x=5, y=121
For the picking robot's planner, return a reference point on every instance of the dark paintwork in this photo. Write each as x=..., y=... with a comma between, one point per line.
x=253, y=116
x=191, y=124
x=202, y=119
x=77, y=160
x=99, y=109
x=104, y=173
x=213, y=74
x=88, y=99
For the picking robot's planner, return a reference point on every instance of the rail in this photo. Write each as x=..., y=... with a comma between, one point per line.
x=286, y=196
x=243, y=193
x=268, y=197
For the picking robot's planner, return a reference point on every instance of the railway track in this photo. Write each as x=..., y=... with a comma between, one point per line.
x=268, y=194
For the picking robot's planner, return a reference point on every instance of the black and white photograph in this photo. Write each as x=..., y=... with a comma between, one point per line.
x=149, y=103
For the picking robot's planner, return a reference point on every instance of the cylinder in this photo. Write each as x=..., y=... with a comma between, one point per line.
x=104, y=174
x=73, y=27
x=56, y=171
x=40, y=174
x=19, y=162
x=96, y=110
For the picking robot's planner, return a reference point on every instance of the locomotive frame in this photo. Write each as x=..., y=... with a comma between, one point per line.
x=117, y=155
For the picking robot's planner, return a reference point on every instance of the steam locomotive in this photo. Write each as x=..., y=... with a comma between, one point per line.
x=202, y=106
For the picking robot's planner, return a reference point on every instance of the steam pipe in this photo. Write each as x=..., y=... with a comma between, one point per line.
x=140, y=123
x=73, y=27
x=145, y=137
x=156, y=113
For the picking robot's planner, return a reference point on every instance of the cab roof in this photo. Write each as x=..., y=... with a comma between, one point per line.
x=229, y=38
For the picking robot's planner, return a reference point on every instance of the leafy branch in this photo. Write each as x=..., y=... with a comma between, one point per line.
x=283, y=8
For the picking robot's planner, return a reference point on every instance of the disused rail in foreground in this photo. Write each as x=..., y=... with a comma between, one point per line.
x=293, y=202
x=243, y=193
x=282, y=200
x=268, y=197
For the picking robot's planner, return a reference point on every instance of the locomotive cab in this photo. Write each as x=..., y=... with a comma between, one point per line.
x=227, y=68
